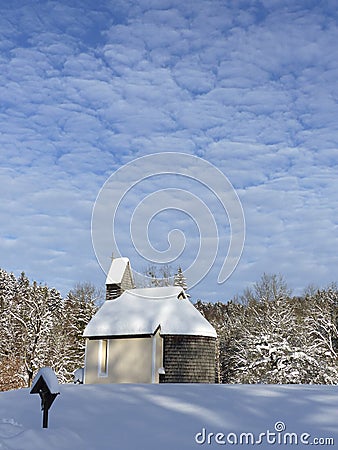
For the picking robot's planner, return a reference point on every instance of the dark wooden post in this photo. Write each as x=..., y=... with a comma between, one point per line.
x=45, y=417
x=47, y=399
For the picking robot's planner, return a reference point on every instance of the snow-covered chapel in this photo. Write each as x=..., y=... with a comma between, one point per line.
x=147, y=335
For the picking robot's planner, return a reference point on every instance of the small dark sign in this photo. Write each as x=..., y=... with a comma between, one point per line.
x=46, y=385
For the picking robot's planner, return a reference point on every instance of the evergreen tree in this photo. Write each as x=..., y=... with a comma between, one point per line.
x=180, y=280
x=10, y=363
x=33, y=315
x=78, y=308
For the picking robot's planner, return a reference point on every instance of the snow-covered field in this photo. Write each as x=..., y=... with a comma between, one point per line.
x=171, y=417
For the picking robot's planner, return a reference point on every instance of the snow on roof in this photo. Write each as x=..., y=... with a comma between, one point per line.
x=142, y=311
x=116, y=271
x=50, y=378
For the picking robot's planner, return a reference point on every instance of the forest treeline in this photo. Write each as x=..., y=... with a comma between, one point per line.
x=266, y=335
x=40, y=328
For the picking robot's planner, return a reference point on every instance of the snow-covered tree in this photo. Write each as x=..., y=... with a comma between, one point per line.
x=264, y=347
x=79, y=307
x=10, y=362
x=321, y=322
x=288, y=341
x=180, y=280
x=33, y=317
x=269, y=287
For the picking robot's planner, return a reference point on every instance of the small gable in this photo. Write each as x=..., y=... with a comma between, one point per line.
x=119, y=278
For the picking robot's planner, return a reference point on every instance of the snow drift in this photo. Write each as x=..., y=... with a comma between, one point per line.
x=182, y=416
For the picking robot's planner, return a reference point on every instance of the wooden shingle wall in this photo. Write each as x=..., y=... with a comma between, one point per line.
x=189, y=359
x=127, y=279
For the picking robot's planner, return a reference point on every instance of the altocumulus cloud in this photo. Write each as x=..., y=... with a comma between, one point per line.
x=250, y=86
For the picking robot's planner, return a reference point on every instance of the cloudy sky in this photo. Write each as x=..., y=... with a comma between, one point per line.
x=248, y=86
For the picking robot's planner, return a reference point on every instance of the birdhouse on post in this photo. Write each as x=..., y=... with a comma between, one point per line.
x=47, y=386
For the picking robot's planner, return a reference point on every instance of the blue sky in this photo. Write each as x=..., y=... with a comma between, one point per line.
x=251, y=87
